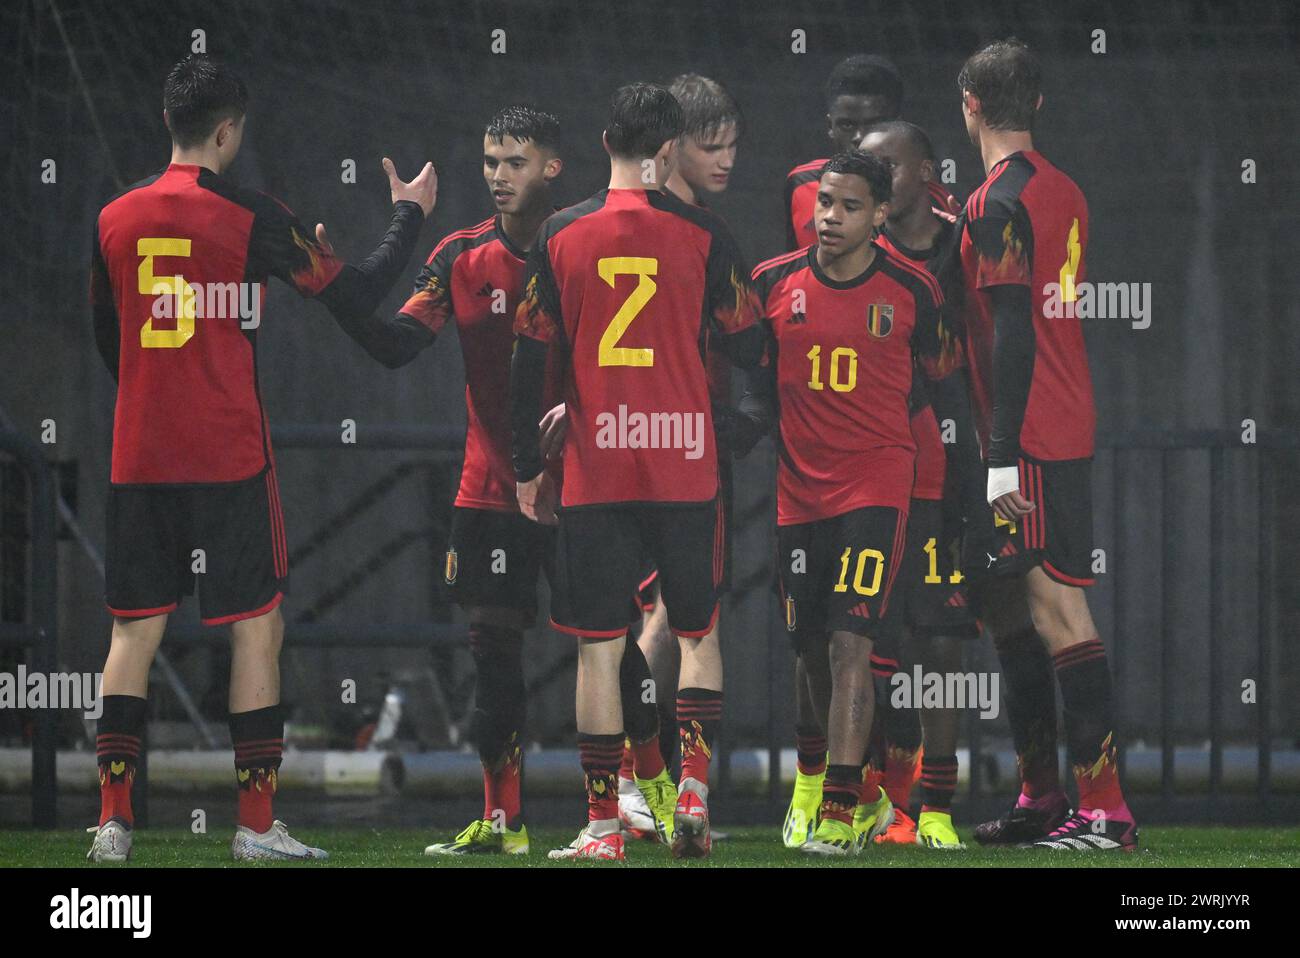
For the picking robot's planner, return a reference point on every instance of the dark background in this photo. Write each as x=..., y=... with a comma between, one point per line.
x=1154, y=130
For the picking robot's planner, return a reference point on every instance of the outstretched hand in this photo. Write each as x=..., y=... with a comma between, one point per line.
x=422, y=190
x=537, y=498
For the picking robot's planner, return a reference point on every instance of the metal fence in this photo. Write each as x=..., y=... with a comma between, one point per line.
x=1216, y=452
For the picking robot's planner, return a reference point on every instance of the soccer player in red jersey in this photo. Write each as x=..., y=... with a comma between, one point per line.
x=862, y=90
x=628, y=284
x=847, y=322
x=178, y=274
x=930, y=606
x=1024, y=237
x=706, y=155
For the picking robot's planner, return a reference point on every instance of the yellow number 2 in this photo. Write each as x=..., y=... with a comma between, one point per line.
x=642, y=267
x=151, y=285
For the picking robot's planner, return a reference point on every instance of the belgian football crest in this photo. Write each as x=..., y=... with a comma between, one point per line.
x=449, y=573
x=880, y=320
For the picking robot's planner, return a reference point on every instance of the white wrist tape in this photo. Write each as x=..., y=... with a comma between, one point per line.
x=1003, y=479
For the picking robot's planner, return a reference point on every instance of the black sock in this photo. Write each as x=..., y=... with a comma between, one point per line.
x=499, y=693
x=1031, y=710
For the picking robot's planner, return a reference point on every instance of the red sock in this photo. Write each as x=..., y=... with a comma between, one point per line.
x=872, y=779
x=1099, y=783
x=258, y=737
x=600, y=756
x=900, y=773
x=648, y=758
x=699, y=713
x=627, y=766
x=117, y=751
x=502, y=794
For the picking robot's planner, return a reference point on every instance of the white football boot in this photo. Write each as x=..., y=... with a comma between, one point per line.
x=112, y=842
x=275, y=844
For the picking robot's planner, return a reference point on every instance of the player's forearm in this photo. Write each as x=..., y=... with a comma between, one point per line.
x=358, y=290
x=527, y=381
x=950, y=399
x=745, y=347
x=757, y=412
x=1013, y=368
x=393, y=341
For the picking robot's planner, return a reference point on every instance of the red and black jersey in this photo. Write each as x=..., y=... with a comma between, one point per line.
x=188, y=406
x=843, y=355
x=801, y=201
x=1027, y=225
x=931, y=458
x=476, y=277
x=631, y=285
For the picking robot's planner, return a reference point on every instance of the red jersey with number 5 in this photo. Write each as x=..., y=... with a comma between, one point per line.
x=630, y=284
x=1027, y=225
x=178, y=261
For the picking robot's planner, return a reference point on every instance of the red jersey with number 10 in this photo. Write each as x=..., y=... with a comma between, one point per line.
x=844, y=367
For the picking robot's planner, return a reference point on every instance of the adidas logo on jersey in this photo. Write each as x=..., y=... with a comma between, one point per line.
x=484, y=290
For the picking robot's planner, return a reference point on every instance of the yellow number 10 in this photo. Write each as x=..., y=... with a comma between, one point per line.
x=860, y=572
x=839, y=383
x=642, y=267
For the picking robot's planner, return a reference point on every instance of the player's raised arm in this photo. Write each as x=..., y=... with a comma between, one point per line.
x=282, y=246
x=396, y=340
x=731, y=303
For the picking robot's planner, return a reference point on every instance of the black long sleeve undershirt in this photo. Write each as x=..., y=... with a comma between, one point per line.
x=527, y=382
x=757, y=413
x=965, y=479
x=1014, y=344
x=357, y=292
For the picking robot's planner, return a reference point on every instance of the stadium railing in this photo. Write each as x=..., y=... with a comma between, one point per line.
x=40, y=632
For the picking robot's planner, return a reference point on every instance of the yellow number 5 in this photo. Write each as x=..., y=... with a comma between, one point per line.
x=642, y=267
x=151, y=285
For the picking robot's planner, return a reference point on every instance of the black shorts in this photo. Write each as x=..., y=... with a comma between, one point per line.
x=835, y=575
x=599, y=562
x=493, y=559
x=151, y=561
x=647, y=592
x=929, y=597
x=1058, y=534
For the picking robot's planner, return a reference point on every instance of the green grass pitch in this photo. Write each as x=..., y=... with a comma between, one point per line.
x=1186, y=847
